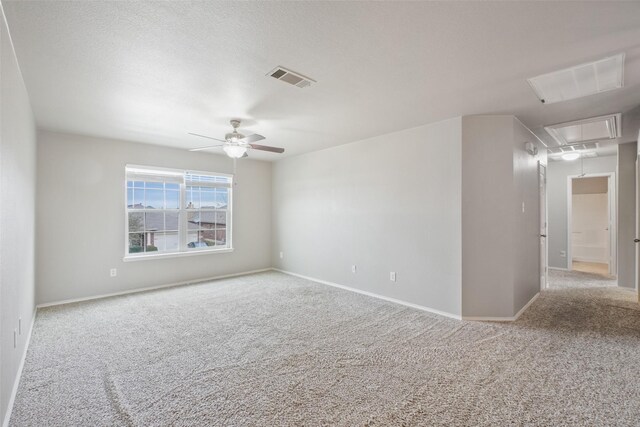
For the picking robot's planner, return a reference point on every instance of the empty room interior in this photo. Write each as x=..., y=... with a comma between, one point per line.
x=319, y=213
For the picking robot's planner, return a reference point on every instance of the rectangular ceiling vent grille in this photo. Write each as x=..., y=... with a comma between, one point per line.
x=290, y=77
x=580, y=131
x=582, y=80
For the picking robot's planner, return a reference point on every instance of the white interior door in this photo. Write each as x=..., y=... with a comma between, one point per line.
x=612, y=229
x=637, y=238
x=544, y=269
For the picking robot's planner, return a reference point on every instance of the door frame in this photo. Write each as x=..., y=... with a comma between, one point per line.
x=544, y=216
x=613, y=219
x=637, y=233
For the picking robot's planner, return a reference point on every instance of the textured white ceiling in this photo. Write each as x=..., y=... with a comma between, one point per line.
x=153, y=71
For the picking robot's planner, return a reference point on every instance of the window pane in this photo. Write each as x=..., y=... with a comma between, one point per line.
x=221, y=219
x=222, y=198
x=138, y=199
x=154, y=221
x=193, y=220
x=130, y=197
x=171, y=220
x=172, y=199
x=157, y=185
x=207, y=198
x=193, y=240
x=192, y=199
x=171, y=241
x=155, y=242
x=136, y=221
x=136, y=241
x=138, y=184
x=208, y=237
x=154, y=199
x=207, y=220
x=221, y=237
x=171, y=186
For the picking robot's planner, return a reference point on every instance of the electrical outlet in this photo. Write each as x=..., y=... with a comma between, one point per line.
x=392, y=276
x=281, y=255
x=522, y=207
x=113, y=272
x=563, y=254
x=353, y=268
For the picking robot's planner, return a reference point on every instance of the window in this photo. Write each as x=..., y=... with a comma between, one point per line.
x=176, y=212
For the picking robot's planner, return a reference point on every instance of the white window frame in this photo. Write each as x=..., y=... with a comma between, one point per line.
x=183, y=250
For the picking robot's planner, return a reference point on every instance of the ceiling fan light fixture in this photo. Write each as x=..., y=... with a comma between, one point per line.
x=234, y=151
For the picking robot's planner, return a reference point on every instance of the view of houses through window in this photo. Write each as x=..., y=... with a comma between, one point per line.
x=176, y=211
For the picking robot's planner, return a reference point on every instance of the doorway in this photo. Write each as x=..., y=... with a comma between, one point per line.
x=592, y=223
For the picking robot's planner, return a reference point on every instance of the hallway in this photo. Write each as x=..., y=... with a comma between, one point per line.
x=562, y=279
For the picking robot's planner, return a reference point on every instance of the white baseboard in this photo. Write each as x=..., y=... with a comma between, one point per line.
x=503, y=319
x=16, y=382
x=151, y=288
x=558, y=268
x=371, y=294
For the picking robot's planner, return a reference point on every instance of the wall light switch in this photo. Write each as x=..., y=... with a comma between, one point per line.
x=522, y=207
x=392, y=276
x=113, y=272
x=281, y=255
x=15, y=338
x=353, y=268
x=563, y=253
x=19, y=325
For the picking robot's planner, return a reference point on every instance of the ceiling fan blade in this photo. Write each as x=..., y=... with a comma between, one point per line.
x=252, y=138
x=206, y=148
x=267, y=148
x=208, y=137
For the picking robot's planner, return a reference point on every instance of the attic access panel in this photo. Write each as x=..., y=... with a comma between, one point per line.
x=579, y=81
x=592, y=129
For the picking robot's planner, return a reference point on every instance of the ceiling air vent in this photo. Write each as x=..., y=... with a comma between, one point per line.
x=582, y=80
x=290, y=77
x=580, y=131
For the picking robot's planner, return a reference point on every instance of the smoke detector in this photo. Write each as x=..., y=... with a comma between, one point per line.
x=291, y=77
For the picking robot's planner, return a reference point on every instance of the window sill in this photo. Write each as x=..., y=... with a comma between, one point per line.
x=130, y=258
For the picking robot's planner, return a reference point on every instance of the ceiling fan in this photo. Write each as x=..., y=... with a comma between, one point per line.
x=236, y=145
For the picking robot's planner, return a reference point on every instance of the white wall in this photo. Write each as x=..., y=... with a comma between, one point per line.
x=589, y=223
x=17, y=213
x=626, y=214
x=488, y=223
x=526, y=244
x=389, y=203
x=439, y=204
x=500, y=250
x=557, y=174
x=80, y=221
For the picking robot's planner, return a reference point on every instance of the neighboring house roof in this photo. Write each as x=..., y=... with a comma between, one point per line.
x=219, y=218
x=161, y=220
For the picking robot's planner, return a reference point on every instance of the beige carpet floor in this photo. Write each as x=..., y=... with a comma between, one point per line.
x=274, y=350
